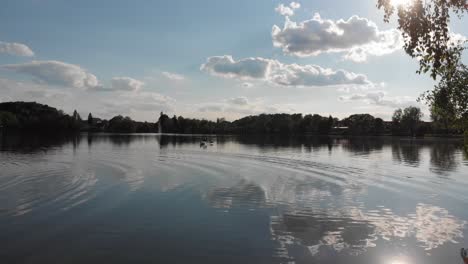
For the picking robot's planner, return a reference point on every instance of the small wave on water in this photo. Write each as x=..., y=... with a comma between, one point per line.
x=337, y=197
x=34, y=184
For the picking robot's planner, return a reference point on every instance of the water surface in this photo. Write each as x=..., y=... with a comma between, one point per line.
x=169, y=199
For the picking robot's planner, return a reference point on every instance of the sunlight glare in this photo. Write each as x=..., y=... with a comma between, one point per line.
x=397, y=3
x=399, y=260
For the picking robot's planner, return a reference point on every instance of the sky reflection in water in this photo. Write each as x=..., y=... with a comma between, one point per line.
x=127, y=198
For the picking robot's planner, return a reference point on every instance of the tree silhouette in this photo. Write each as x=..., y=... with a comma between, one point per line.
x=76, y=116
x=90, y=119
x=449, y=99
x=425, y=29
x=424, y=25
x=361, y=124
x=8, y=120
x=410, y=119
x=33, y=116
x=396, y=121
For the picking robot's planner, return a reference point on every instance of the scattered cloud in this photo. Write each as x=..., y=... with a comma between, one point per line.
x=126, y=84
x=71, y=75
x=56, y=73
x=239, y=106
x=380, y=98
x=281, y=74
x=295, y=5
x=357, y=37
x=16, y=49
x=129, y=103
x=287, y=10
x=148, y=101
x=212, y=107
x=239, y=101
x=143, y=105
x=173, y=76
x=13, y=90
x=226, y=66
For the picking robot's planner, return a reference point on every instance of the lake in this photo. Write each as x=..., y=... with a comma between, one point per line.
x=259, y=199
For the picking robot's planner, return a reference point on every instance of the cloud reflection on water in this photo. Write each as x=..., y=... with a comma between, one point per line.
x=357, y=230
x=315, y=204
x=322, y=216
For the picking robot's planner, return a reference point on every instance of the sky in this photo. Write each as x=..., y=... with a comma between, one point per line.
x=208, y=59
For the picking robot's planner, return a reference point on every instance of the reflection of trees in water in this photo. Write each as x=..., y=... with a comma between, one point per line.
x=362, y=145
x=118, y=140
x=310, y=143
x=442, y=153
x=173, y=141
x=30, y=142
x=406, y=152
x=465, y=149
x=122, y=140
x=89, y=139
x=317, y=143
x=76, y=141
x=443, y=158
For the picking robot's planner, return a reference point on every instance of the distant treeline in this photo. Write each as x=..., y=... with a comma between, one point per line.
x=35, y=117
x=30, y=116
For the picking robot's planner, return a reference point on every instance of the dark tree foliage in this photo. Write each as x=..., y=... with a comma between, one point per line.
x=120, y=124
x=90, y=119
x=408, y=122
x=35, y=117
x=261, y=124
x=379, y=126
x=425, y=29
x=76, y=116
x=396, y=122
x=144, y=127
x=411, y=119
x=8, y=120
x=449, y=99
x=360, y=124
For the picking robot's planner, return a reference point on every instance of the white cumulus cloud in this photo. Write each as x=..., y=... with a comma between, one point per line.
x=295, y=5
x=278, y=73
x=71, y=75
x=211, y=107
x=357, y=37
x=379, y=98
x=56, y=73
x=241, y=106
x=173, y=76
x=239, y=101
x=126, y=84
x=139, y=103
x=226, y=66
x=287, y=10
x=16, y=49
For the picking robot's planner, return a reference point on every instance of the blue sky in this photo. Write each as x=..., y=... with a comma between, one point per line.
x=209, y=58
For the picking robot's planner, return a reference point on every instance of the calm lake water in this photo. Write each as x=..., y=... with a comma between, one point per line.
x=168, y=199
